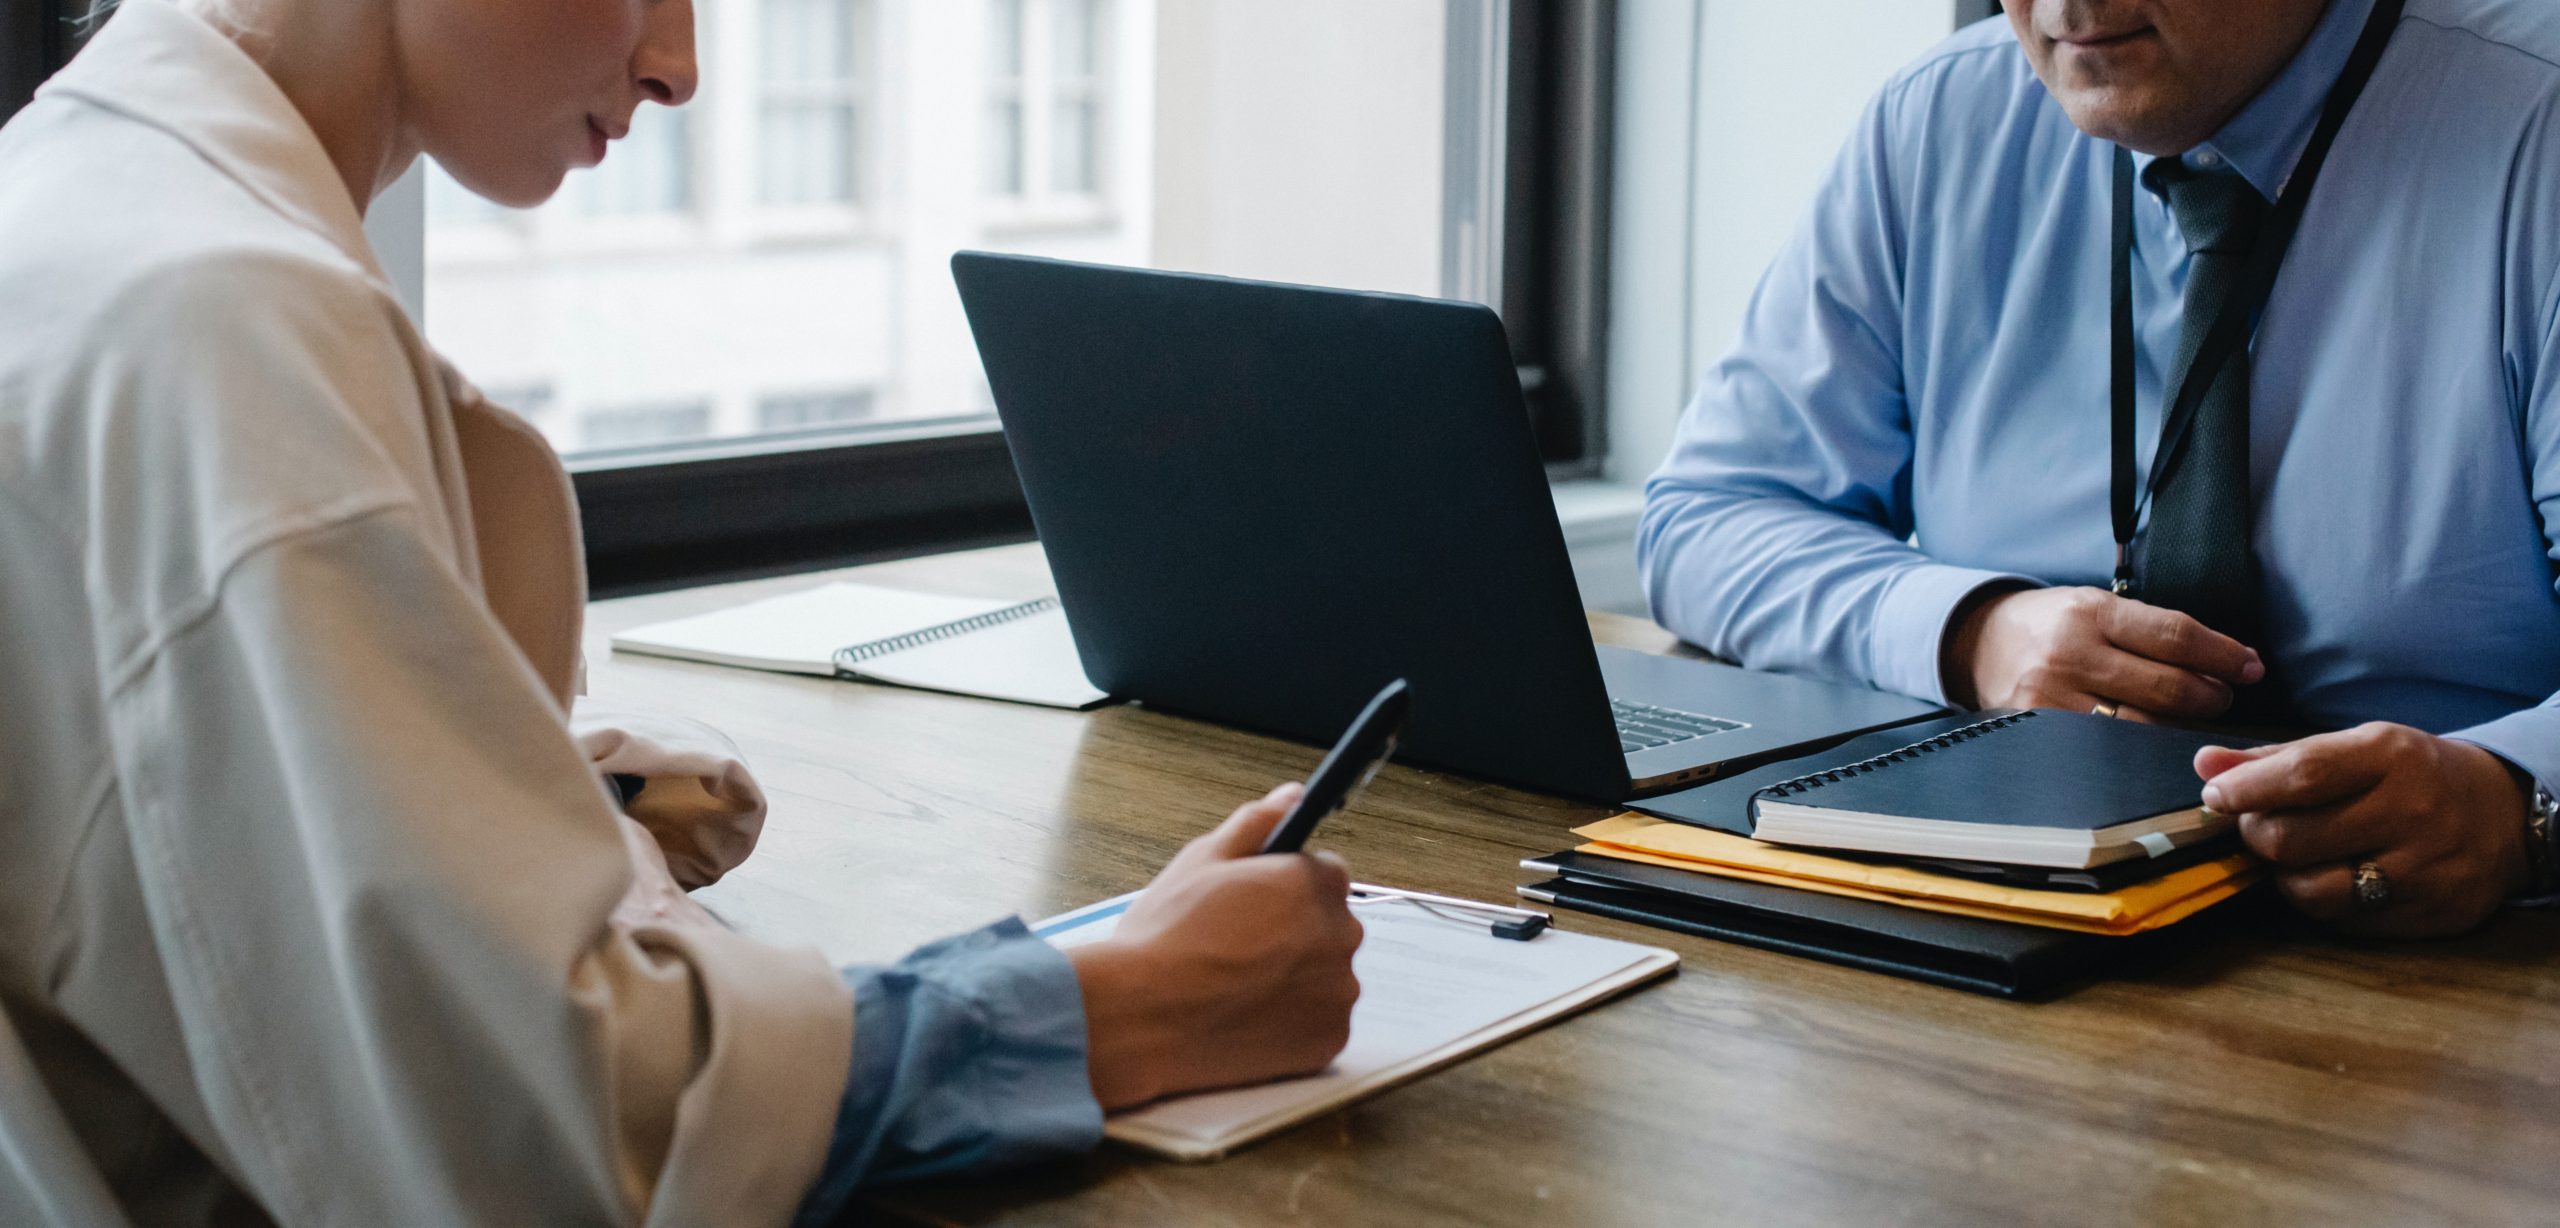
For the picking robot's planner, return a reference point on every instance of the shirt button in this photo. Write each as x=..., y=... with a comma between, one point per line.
x=2208, y=160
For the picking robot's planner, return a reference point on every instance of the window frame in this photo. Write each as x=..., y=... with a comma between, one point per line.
x=1091, y=90
x=1036, y=204
x=1559, y=159
x=757, y=506
x=858, y=92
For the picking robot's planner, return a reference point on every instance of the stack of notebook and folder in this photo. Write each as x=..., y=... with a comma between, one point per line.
x=2001, y=852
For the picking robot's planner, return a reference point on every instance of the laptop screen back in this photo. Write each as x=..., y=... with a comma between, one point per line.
x=1263, y=502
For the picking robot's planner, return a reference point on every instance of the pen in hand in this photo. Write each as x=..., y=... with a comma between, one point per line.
x=1356, y=757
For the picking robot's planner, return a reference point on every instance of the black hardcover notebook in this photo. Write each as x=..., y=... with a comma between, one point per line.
x=1726, y=805
x=1968, y=953
x=2040, y=787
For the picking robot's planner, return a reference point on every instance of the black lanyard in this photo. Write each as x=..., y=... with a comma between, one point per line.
x=2237, y=316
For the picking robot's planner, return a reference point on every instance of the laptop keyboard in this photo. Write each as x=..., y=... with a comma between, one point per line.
x=1644, y=726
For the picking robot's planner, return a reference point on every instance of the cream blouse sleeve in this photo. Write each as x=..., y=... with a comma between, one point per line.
x=382, y=874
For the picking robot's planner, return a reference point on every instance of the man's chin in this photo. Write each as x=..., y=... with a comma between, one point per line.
x=2131, y=119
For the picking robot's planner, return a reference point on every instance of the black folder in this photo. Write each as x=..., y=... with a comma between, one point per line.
x=1988, y=957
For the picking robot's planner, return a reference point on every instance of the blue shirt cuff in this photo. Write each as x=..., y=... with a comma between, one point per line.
x=1913, y=619
x=2529, y=739
x=968, y=1054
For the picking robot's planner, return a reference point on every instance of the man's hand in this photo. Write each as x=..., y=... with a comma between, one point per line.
x=1232, y=967
x=2075, y=648
x=2444, y=821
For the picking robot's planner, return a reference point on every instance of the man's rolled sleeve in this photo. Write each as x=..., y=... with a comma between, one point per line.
x=1778, y=532
x=968, y=1054
x=1914, y=619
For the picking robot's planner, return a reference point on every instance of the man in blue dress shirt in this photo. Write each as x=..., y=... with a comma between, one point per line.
x=1901, y=474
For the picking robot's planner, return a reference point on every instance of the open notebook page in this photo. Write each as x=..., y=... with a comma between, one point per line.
x=1028, y=660
x=1432, y=990
x=800, y=632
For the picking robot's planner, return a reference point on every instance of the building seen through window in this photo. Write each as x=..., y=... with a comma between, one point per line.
x=810, y=109
x=804, y=411
x=1005, y=144
x=773, y=258
x=624, y=426
x=652, y=174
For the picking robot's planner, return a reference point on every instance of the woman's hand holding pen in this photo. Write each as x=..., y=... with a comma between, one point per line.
x=1230, y=968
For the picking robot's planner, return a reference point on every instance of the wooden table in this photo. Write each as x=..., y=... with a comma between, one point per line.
x=2284, y=1077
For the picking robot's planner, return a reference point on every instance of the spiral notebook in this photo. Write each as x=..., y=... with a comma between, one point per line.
x=995, y=649
x=2033, y=788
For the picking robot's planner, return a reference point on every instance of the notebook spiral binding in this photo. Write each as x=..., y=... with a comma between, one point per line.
x=848, y=657
x=1804, y=784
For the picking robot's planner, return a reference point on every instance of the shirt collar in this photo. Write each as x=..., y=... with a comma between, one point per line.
x=160, y=65
x=2267, y=137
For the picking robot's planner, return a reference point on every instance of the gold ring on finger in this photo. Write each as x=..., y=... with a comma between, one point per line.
x=2373, y=887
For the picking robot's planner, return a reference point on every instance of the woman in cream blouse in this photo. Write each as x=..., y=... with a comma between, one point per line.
x=315, y=909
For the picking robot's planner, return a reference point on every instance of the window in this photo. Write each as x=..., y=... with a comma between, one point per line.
x=628, y=426
x=810, y=410
x=742, y=327
x=788, y=231
x=650, y=173
x=810, y=102
x=1045, y=92
x=1075, y=100
x=1006, y=126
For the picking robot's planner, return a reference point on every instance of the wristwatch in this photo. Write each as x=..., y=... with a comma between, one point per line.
x=2542, y=844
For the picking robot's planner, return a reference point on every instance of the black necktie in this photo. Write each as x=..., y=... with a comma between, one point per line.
x=2195, y=555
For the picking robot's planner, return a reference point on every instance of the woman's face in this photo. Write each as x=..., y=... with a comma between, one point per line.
x=510, y=94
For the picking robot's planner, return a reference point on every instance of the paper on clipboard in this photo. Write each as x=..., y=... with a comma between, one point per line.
x=1434, y=990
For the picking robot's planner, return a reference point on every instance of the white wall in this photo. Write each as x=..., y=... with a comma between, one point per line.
x=1729, y=111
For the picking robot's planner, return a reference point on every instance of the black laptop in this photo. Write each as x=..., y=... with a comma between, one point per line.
x=1262, y=502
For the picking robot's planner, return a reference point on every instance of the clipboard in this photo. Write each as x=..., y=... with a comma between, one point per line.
x=1436, y=988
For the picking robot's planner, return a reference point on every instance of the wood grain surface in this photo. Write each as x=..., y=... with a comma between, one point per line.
x=2277, y=1076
